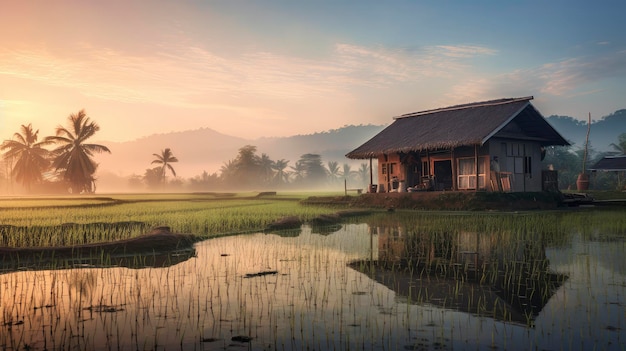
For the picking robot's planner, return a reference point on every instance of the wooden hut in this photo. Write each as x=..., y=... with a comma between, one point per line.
x=494, y=145
x=614, y=163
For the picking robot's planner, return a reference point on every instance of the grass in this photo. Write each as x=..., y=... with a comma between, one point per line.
x=46, y=221
x=314, y=301
x=65, y=221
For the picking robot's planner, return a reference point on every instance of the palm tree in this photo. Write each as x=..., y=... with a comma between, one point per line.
x=228, y=169
x=165, y=159
x=298, y=171
x=31, y=159
x=363, y=173
x=280, y=176
x=74, y=156
x=333, y=171
x=347, y=172
x=265, y=165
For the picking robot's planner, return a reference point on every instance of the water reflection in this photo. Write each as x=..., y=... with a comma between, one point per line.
x=12, y=263
x=362, y=286
x=480, y=273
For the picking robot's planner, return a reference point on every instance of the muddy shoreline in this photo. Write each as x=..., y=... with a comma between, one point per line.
x=158, y=247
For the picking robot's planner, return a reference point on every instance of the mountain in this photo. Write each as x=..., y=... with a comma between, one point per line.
x=196, y=150
x=207, y=150
x=602, y=133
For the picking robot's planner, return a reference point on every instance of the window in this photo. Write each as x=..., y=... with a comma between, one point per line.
x=528, y=166
x=467, y=173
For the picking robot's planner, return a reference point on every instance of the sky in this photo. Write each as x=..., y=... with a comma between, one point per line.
x=279, y=68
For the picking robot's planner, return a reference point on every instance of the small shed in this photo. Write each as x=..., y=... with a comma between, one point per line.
x=615, y=163
x=494, y=145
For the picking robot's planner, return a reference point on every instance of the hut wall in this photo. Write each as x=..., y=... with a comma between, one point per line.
x=389, y=169
x=519, y=161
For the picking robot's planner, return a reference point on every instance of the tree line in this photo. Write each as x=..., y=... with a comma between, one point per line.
x=64, y=163
x=249, y=170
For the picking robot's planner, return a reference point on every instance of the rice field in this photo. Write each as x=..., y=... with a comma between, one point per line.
x=42, y=222
x=390, y=281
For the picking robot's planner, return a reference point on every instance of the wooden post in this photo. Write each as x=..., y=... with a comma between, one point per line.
x=371, y=174
x=476, y=165
x=454, y=174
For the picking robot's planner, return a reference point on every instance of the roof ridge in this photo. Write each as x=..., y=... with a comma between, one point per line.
x=468, y=105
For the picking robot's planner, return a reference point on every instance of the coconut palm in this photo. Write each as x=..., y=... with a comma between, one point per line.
x=298, y=171
x=363, y=173
x=280, y=175
x=165, y=159
x=334, y=173
x=347, y=172
x=73, y=156
x=30, y=159
x=228, y=169
x=265, y=166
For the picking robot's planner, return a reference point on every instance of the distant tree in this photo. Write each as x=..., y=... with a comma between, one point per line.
x=30, y=160
x=334, y=173
x=205, y=181
x=314, y=171
x=298, y=172
x=135, y=181
x=621, y=144
x=247, y=166
x=228, y=170
x=280, y=175
x=266, y=168
x=165, y=159
x=73, y=156
x=363, y=174
x=153, y=177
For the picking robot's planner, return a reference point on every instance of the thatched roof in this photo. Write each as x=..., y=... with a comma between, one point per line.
x=610, y=164
x=461, y=125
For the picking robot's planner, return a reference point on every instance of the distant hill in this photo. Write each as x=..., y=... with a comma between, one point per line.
x=603, y=132
x=207, y=150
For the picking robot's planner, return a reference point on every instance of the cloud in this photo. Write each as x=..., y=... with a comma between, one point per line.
x=191, y=76
x=383, y=66
x=464, y=51
x=567, y=78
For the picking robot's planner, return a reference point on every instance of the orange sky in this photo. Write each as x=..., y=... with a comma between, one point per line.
x=276, y=68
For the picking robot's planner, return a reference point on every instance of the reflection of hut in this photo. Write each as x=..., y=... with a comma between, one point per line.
x=442, y=248
x=391, y=243
x=479, y=273
x=469, y=296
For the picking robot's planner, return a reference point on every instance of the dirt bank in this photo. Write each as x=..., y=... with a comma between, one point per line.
x=447, y=201
x=159, y=245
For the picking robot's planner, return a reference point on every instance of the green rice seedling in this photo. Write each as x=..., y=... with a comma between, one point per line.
x=318, y=298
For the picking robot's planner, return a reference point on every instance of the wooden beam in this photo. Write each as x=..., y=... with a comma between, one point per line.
x=476, y=165
x=454, y=174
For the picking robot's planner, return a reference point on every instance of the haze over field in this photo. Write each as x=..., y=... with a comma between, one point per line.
x=281, y=68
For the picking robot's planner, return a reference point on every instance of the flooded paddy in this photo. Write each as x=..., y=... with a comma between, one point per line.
x=392, y=281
